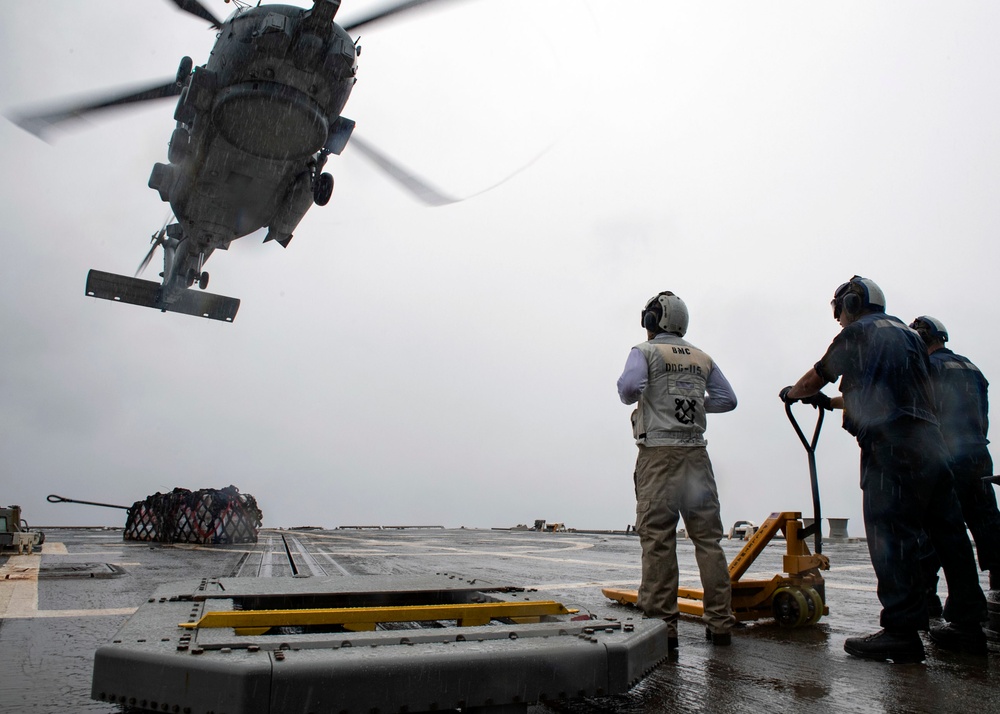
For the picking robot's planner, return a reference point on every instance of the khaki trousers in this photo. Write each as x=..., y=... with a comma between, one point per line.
x=673, y=482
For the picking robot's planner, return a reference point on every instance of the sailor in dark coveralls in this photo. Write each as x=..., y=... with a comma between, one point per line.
x=961, y=403
x=888, y=406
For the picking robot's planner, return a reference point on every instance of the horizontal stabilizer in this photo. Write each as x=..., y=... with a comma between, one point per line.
x=122, y=288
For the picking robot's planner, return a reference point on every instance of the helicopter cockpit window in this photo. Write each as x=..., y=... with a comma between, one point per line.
x=273, y=22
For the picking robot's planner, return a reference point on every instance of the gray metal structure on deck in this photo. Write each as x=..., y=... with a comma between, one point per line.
x=167, y=658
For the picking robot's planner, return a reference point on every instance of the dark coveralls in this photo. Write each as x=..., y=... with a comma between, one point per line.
x=962, y=406
x=906, y=485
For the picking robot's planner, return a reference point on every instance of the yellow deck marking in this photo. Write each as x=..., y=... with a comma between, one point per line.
x=466, y=614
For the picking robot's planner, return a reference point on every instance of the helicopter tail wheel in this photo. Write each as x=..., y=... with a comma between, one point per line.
x=323, y=189
x=203, y=283
x=790, y=607
x=815, y=603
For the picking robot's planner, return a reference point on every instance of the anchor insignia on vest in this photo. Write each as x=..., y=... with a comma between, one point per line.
x=685, y=410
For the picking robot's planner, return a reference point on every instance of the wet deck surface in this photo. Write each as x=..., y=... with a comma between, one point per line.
x=57, y=608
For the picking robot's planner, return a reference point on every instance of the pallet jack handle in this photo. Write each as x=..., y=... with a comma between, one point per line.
x=816, y=529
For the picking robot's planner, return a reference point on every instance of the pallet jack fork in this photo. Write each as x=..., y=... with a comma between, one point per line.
x=795, y=598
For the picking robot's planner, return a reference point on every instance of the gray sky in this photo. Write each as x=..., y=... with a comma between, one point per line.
x=456, y=366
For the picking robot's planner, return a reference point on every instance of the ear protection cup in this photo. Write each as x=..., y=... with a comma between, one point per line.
x=650, y=320
x=852, y=303
x=665, y=312
x=857, y=295
x=931, y=330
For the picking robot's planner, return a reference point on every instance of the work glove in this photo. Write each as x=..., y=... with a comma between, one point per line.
x=783, y=395
x=820, y=401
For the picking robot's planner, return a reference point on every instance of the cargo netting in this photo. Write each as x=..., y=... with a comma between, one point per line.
x=206, y=516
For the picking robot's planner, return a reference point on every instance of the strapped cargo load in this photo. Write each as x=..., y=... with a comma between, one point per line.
x=207, y=516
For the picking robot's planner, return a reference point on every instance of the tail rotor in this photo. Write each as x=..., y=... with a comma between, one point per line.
x=157, y=239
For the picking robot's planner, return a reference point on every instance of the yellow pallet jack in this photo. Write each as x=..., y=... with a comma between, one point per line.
x=793, y=599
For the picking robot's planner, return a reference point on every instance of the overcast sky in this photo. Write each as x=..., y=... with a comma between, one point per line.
x=456, y=366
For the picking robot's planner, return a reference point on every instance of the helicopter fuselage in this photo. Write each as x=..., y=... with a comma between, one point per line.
x=254, y=127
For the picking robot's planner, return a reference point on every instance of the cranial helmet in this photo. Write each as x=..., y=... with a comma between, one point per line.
x=856, y=296
x=665, y=313
x=931, y=330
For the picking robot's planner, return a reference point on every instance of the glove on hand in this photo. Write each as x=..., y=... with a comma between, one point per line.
x=783, y=395
x=819, y=400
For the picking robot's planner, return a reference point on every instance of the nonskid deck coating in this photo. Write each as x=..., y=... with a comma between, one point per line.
x=51, y=626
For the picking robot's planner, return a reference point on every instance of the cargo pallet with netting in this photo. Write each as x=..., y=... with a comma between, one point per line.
x=206, y=516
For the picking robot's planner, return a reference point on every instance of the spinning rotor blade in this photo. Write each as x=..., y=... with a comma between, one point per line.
x=157, y=240
x=39, y=124
x=198, y=10
x=419, y=188
x=145, y=261
x=387, y=12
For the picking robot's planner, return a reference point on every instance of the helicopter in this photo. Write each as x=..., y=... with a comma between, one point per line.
x=254, y=129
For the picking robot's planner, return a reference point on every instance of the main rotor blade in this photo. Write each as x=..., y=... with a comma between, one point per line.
x=387, y=12
x=420, y=189
x=39, y=123
x=198, y=10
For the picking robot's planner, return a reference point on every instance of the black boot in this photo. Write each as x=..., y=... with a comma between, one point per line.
x=934, y=609
x=961, y=637
x=897, y=645
x=721, y=639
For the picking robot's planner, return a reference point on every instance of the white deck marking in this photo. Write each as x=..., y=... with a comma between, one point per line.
x=859, y=588
x=265, y=560
x=19, y=590
x=329, y=558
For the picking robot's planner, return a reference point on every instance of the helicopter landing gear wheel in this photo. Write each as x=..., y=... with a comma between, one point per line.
x=323, y=189
x=190, y=277
x=790, y=607
x=815, y=603
x=203, y=283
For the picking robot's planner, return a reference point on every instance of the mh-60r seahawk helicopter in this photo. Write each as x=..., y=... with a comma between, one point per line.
x=255, y=126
